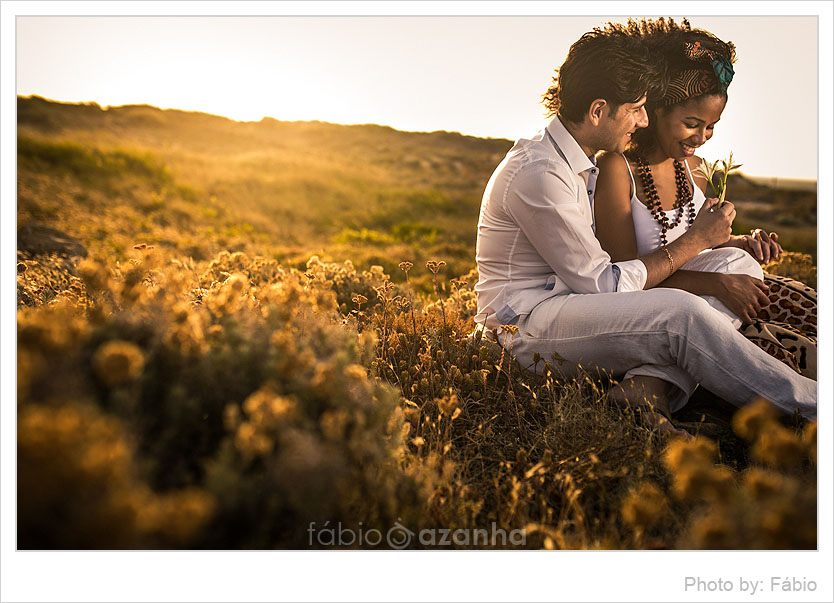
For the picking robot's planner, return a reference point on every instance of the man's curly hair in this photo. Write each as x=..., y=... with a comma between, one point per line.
x=667, y=39
x=612, y=63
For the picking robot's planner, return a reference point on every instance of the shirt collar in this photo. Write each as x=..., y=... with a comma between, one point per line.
x=573, y=153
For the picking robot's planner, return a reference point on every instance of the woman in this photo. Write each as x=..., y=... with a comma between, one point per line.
x=650, y=196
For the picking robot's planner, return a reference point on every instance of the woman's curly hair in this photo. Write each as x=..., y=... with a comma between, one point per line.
x=667, y=39
x=612, y=63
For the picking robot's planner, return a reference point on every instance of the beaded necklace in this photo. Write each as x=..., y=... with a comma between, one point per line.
x=683, y=197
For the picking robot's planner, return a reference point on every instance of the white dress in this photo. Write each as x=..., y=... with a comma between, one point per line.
x=730, y=260
x=647, y=230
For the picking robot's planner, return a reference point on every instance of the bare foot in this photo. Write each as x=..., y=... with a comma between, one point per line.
x=655, y=420
x=649, y=396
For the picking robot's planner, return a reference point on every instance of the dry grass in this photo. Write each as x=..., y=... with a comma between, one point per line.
x=279, y=397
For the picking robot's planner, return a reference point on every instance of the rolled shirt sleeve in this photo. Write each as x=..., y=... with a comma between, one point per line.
x=556, y=218
x=632, y=276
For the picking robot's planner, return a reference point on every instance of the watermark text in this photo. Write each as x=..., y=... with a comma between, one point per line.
x=400, y=537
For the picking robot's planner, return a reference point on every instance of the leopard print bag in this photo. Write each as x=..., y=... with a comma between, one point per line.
x=787, y=327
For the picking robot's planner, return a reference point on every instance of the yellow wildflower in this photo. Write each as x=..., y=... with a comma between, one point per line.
x=117, y=362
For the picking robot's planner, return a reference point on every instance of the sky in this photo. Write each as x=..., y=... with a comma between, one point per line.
x=482, y=76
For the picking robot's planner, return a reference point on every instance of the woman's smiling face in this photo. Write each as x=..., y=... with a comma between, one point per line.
x=682, y=128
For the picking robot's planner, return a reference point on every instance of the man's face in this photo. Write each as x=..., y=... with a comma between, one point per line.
x=618, y=125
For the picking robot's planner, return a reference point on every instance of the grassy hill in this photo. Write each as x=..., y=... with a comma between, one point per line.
x=788, y=207
x=198, y=183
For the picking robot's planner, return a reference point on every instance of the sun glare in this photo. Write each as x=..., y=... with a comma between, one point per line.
x=411, y=73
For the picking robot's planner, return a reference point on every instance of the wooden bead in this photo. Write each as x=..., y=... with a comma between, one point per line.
x=683, y=197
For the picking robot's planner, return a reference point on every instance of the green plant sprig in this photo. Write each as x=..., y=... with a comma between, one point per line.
x=707, y=170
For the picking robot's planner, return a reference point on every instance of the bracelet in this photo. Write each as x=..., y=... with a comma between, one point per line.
x=671, y=263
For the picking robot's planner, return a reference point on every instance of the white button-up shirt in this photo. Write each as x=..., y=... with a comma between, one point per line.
x=536, y=231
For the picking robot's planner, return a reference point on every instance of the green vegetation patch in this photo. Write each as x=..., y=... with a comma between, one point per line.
x=90, y=164
x=414, y=232
x=364, y=235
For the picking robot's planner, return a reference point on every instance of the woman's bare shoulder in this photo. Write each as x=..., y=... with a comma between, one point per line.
x=614, y=184
x=614, y=163
x=614, y=170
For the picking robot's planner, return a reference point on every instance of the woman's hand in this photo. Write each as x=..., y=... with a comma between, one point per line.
x=742, y=294
x=713, y=224
x=762, y=246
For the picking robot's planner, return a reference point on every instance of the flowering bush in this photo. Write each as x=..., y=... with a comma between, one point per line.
x=231, y=404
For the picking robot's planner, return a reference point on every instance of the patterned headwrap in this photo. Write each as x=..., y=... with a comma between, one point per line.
x=694, y=82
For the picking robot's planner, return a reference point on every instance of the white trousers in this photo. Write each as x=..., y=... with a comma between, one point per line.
x=674, y=335
x=729, y=260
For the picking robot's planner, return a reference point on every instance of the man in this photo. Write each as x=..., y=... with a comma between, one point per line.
x=542, y=269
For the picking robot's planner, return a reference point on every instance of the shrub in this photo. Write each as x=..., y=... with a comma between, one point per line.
x=261, y=400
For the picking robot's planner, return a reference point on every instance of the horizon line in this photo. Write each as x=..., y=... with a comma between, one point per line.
x=772, y=181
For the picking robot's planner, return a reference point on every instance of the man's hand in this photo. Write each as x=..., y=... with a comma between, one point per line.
x=713, y=225
x=742, y=294
x=762, y=246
